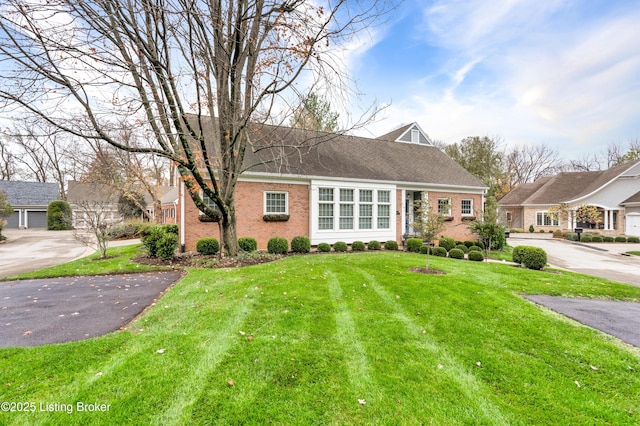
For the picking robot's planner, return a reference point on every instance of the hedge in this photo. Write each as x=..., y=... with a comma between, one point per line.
x=476, y=256
x=374, y=245
x=534, y=258
x=391, y=245
x=167, y=245
x=413, y=245
x=340, y=246
x=207, y=246
x=59, y=216
x=278, y=245
x=300, y=244
x=357, y=246
x=456, y=253
x=447, y=243
x=439, y=251
x=247, y=244
x=324, y=248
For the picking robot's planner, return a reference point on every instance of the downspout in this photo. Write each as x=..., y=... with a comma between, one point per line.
x=182, y=209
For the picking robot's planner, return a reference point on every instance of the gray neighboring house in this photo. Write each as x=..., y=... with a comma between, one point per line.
x=29, y=201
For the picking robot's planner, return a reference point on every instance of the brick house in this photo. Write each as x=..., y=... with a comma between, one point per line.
x=340, y=188
x=615, y=192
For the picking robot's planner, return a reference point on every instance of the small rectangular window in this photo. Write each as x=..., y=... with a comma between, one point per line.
x=275, y=203
x=467, y=207
x=444, y=206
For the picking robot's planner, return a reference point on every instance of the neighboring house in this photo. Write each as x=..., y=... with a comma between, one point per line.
x=29, y=201
x=169, y=203
x=615, y=192
x=93, y=203
x=340, y=188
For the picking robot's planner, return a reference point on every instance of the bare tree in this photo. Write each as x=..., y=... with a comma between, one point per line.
x=157, y=62
x=530, y=162
x=585, y=163
x=93, y=224
x=7, y=162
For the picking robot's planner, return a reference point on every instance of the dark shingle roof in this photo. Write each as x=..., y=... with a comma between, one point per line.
x=395, y=134
x=635, y=198
x=30, y=193
x=287, y=151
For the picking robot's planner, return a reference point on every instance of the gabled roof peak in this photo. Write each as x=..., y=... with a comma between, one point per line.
x=409, y=133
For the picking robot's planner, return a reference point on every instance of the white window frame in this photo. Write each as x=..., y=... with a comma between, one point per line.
x=470, y=200
x=544, y=215
x=448, y=212
x=332, y=203
x=330, y=236
x=346, y=203
x=386, y=204
x=207, y=201
x=363, y=205
x=286, y=202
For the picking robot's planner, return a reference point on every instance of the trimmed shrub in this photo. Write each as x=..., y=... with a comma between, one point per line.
x=557, y=233
x=324, y=248
x=59, y=216
x=391, y=245
x=542, y=231
x=620, y=239
x=413, y=245
x=516, y=254
x=447, y=243
x=357, y=246
x=476, y=256
x=300, y=244
x=340, y=246
x=469, y=243
x=481, y=244
x=374, y=245
x=571, y=236
x=425, y=249
x=475, y=248
x=125, y=231
x=439, y=251
x=462, y=247
x=278, y=245
x=247, y=244
x=633, y=240
x=516, y=230
x=207, y=246
x=608, y=239
x=531, y=228
x=456, y=253
x=597, y=239
x=586, y=238
x=167, y=245
x=171, y=228
x=152, y=236
x=534, y=258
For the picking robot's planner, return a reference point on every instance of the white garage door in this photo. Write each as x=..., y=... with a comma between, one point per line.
x=633, y=225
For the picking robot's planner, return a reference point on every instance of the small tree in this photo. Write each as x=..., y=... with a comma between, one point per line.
x=5, y=210
x=93, y=224
x=559, y=212
x=489, y=230
x=428, y=223
x=588, y=214
x=129, y=205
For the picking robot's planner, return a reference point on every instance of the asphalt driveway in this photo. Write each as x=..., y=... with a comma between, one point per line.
x=43, y=311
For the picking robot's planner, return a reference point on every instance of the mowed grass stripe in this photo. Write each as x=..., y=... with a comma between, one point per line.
x=475, y=392
x=347, y=335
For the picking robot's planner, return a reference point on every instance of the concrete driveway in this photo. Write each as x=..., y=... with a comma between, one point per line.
x=28, y=250
x=604, y=260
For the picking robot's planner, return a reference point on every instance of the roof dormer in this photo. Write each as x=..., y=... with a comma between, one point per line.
x=408, y=133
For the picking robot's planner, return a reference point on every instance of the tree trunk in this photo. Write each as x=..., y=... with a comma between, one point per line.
x=229, y=235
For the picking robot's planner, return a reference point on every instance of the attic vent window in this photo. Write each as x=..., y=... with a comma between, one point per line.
x=415, y=135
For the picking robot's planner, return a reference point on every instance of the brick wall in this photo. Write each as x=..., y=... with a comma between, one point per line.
x=250, y=211
x=457, y=228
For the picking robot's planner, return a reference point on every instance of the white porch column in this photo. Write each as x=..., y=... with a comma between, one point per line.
x=606, y=219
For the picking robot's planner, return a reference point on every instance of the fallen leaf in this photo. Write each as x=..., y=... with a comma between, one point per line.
x=362, y=402
x=424, y=331
x=250, y=338
x=359, y=308
x=594, y=368
x=99, y=373
x=398, y=401
x=160, y=351
x=577, y=384
x=26, y=333
x=242, y=332
x=479, y=364
x=397, y=296
x=230, y=383
x=440, y=366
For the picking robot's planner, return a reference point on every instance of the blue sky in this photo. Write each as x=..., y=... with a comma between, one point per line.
x=565, y=73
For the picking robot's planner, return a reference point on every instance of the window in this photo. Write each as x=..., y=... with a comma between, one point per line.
x=346, y=209
x=543, y=219
x=444, y=206
x=325, y=208
x=366, y=209
x=384, y=209
x=275, y=203
x=467, y=207
x=209, y=202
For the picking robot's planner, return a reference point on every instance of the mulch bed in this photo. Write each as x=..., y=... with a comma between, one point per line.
x=427, y=271
x=195, y=260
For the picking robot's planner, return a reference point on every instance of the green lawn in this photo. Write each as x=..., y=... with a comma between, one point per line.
x=343, y=339
x=635, y=253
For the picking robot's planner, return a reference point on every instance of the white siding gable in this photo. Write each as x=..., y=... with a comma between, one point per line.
x=415, y=135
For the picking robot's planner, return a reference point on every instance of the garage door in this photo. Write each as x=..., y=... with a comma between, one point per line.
x=36, y=219
x=633, y=225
